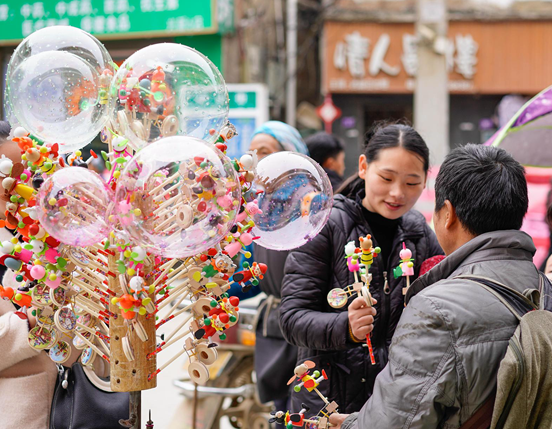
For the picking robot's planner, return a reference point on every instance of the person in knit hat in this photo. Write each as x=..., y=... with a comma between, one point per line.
x=276, y=136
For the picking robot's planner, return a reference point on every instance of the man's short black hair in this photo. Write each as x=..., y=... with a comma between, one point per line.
x=323, y=146
x=486, y=187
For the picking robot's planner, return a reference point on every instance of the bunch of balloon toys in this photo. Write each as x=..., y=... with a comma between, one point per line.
x=98, y=260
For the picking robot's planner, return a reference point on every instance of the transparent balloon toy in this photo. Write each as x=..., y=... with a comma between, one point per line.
x=58, y=86
x=295, y=200
x=166, y=90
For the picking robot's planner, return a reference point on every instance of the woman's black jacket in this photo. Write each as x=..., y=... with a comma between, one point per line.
x=322, y=332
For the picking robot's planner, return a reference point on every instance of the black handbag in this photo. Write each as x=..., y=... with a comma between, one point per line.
x=79, y=404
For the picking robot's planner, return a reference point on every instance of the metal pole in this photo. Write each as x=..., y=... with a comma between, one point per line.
x=291, y=48
x=431, y=96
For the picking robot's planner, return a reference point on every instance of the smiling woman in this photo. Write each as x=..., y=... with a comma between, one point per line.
x=377, y=201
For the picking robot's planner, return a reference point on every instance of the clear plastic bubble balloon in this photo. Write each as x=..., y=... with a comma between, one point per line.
x=58, y=85
x=169, y=89
x=72, y=206
x=295, y=202
x=177, y=197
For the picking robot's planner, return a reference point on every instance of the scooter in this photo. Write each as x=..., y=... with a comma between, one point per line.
x=230, y=394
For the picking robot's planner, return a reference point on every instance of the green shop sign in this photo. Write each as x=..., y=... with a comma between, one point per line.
x=116, y=19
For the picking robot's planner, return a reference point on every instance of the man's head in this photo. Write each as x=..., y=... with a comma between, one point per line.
x=478, y=189
x=328, y=151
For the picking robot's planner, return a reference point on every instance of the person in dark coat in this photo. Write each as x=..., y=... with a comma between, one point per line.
x=392, y=175
x=328, y=151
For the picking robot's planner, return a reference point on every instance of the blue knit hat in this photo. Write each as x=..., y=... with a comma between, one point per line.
x=288, y=137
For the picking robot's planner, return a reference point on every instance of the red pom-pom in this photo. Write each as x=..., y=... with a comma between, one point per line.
x=428, y=264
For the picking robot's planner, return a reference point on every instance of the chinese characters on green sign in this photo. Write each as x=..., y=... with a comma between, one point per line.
x=115, y=18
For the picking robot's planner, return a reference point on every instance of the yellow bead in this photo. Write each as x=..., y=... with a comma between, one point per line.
x=14, y=240
x=114, y=300
x=127, y=253
x=52, y=201
x=131, y=271
x=53, y=277
x=24, y=157
x=37, y=262
x=117, y=174
x=137, y=212
x=142, y=311
x=78, y=153
x=151, y=289
x=247, y=255
x=17, y=248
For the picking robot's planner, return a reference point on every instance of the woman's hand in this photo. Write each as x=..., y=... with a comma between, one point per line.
x=361, y=318
x=336, y=419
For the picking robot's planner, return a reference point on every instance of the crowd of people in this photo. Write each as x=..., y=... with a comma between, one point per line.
x=437, y=349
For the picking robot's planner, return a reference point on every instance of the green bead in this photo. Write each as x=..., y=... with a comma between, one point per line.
x=158, y=96
x=50, y=267
x=297, y=388
x=33, y=313
x=316, y=374
x=13, y=198
x=255, y=282
x=203, y=164
x=19, y=278
x=47, y=165
x=213, y=303
x=222, y=337
x=233, y=318
x=207, y=322
x=61, y=262
x=21, y=200
x=21, y=225
x=245, y=264
x=24, y=176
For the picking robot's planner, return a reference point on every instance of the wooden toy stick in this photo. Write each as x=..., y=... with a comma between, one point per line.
x=166, y=364
x=167, y=191
x=172, y=316
x=174, y=340
x=159, y=279
x=89, y=289
x=166, y=222
x=166, y=182
x=93, y=346
x=182, y=324
x=172, y=294
x=365, y=293
x=89, y=194
x=177, y=303
x=321, y=396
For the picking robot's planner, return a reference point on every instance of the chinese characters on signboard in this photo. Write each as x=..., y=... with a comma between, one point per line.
x=354, y=52
x=19, y=18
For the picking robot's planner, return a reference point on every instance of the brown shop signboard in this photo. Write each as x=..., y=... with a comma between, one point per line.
x=481, y=57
